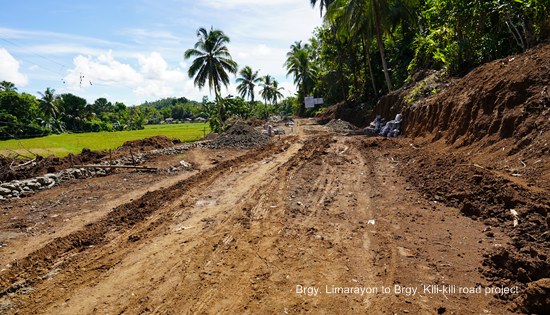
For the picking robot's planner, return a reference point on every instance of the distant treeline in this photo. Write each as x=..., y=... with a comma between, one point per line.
x=23, y=115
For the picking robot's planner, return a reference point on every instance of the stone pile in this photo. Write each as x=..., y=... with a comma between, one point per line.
x=340, y=126
x=238, y=136
x=27, y=187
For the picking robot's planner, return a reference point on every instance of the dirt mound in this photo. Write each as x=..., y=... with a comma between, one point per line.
x=537, y=297
x=240, y=136
x=340, y=126
x=423, y=84
x=147, y=144
x=504, y=99
x=357, y=114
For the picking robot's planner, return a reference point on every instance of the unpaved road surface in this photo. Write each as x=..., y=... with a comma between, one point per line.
x=278, y=230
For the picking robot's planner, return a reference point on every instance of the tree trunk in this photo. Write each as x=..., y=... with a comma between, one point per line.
x=219, y=105
x=368, y=64
x=265, y=108
x=378, y=28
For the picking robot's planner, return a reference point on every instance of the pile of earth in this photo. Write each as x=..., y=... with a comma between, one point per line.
x=355, y=113
x=147, y=144
x=423, y=84
x=253, y=122
x=504, y=99
x=340, y=126
x=239, y=136
x=19, y=169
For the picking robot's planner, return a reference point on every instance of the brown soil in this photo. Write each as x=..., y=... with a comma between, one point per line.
x=148, y=144
x=350, y=112
x=243, y=233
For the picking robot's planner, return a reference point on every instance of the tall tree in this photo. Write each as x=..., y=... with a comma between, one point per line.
x=276, y=93
x=323, y=4
x=212, y=63
x=247, y=82
x=358, y=18
x=48, y=103
x=377, y=12
x=267, y=91
x=7, y=86
x=298, y=64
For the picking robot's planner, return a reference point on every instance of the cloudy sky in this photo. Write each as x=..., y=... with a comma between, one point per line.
x=132, y=50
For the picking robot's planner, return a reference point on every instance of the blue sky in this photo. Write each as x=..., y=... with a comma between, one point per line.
x=132, y=51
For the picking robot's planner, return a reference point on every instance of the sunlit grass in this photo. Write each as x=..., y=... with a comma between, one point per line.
x=62, y=145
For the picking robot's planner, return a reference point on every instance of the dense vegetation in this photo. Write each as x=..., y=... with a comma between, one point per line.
x=367, y=48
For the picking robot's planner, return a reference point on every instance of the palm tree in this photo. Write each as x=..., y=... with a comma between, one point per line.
x=363, y=18
x=48, y=103
x=377, y=12
x=298, y=64
x=247, y=82
x=212, y=63
x=276, y=93
x=267, y=91
x=7, y=86
x=323, y=4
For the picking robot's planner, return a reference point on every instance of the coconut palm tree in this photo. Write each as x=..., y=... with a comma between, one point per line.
x=300, y=66
x=7, y=86
x=212, y=63
x=247, y=82
x=48, y=103
x=276, y=93
x=323, y=4
x=267, y=91
x=364, y=18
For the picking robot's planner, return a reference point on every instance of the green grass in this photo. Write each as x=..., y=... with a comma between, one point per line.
x=62, y=145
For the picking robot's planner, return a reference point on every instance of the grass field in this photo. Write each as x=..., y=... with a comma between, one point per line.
x=62, y=145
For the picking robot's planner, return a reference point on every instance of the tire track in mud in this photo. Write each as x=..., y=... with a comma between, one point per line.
x=33, y=268
x=120, y=246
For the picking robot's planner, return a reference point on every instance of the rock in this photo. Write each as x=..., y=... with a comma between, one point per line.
x=185, y=164
x=32, y=184
x=44, y=181
x=52, y=176
x=4, y=191
x=10, y=186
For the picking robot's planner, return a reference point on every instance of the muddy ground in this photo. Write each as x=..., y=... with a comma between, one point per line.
x=277, y=229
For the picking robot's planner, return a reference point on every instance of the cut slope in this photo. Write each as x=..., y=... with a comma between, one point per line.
x=504, y=99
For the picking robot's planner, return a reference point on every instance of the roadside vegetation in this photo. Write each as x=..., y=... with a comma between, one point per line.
x=368, y=48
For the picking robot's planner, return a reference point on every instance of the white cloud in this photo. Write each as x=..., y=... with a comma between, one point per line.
x=9, y=69
x=103, y=69
x=151, y=77
x=154, y=67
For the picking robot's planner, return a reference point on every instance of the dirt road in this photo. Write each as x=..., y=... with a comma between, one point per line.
x=315, y=223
